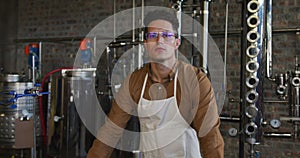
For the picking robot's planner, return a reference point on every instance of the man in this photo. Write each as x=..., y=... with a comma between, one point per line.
x=174, y=102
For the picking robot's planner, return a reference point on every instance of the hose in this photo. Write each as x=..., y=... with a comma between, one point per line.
x=43, y=125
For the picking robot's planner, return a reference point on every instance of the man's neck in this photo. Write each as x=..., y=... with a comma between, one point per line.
x=161, y=70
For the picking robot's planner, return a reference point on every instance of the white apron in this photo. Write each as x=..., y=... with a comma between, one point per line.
x=164, y=132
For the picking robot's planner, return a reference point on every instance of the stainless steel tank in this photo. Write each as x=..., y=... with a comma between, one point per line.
x=16, y=115
x=66, y=133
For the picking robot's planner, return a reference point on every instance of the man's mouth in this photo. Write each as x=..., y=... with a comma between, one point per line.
x=160, y=49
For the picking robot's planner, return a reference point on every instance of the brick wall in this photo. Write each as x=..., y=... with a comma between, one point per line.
x=55, y=20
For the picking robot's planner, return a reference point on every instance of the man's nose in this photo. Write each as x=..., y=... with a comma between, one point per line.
x=160, y=38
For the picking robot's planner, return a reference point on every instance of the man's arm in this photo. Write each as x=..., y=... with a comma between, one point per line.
x=116, y=121
x=212, y=144
x=206, y=121
x=209, y=136
x=110, y=133
x=99, y=150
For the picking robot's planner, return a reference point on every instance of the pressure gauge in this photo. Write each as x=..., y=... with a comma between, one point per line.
x=232, y=132
x=275, y=123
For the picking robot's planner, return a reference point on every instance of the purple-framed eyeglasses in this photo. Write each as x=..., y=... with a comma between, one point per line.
x=165, y=35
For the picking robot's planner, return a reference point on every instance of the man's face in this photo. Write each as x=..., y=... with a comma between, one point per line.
x=160, y=41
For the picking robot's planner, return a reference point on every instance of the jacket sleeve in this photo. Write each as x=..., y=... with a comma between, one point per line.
x=99, y=150
x=206, y=121
x=212, y=144
x=110, y=133
x=123, y=107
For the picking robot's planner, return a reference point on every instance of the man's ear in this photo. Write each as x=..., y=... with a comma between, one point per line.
x=177, y=43
x=145, y=44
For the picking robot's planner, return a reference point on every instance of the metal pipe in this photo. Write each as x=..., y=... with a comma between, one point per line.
x=176, y=5
x=33, y=69
x=294, y=90
x=33, y=154
x=281, y=85
x=133, y=36
x=33, y=150
x=235, y=32
x=179, y=15
x=225, y=46
x=114, y=32
x=286, y=30
x=141, y=37
x=115, y=10
x=191, y=12
x=95, y=51
x=133, y=21
x=40, y=58
x=179, y=12
x=295, y=96
x=273, y=134
x=242, y=79
x=60, y=39
x=225, y=118
x=292, y=119
x=205, y=34
x=275, y=101
x=195, y=55
x=269, y=41
x=122, y=44
x=108, y=65
x=296, y=125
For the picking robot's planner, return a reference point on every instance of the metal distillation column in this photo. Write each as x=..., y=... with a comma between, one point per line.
x=251, y=75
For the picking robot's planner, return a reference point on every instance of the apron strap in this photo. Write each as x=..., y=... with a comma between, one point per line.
x=144, y=86
x=145, y=82
x=175, y=83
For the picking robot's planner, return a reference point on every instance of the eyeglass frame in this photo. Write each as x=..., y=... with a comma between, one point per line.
x=164, y=34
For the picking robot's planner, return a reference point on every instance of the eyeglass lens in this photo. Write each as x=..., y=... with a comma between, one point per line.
x=165, y=35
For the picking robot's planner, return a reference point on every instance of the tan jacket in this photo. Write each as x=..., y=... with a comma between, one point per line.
x=196, y=102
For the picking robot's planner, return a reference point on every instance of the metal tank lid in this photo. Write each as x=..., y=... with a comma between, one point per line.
x=10, y=77
x=85, y=72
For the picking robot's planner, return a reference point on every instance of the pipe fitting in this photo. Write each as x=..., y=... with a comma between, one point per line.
x=253, y=21
x=281, y=90
x=251, y=96
x=252, y=81
x=175, y=6
x=251, y=141
x=251, y=111
x=250, y=128
x=252, y=66
x=252, y=36
x=252, y=51
x=253, y=6
x=296, y=81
